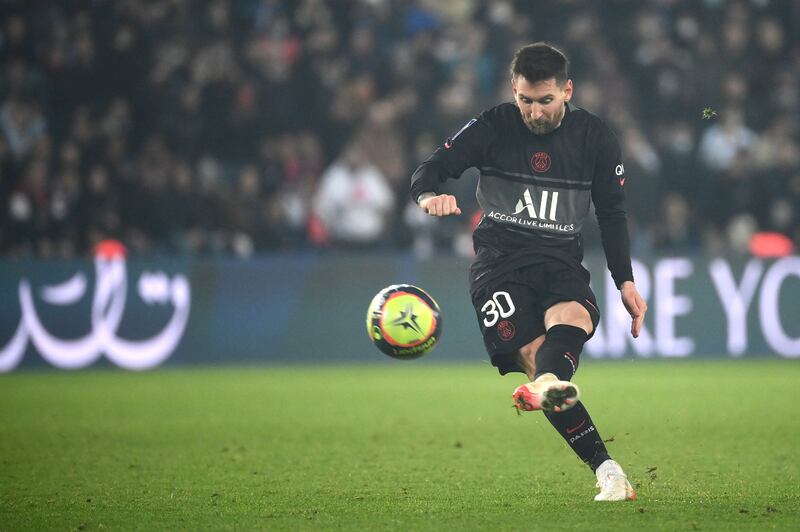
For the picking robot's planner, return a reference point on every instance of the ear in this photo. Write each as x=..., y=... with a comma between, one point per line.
x=568, y=90
x=514, y=87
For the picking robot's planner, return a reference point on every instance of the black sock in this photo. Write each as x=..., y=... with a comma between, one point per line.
x=577, y=428
x=560, y=352
x=560, y=355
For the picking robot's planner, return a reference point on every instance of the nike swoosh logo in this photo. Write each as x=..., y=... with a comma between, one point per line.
x=570, y=431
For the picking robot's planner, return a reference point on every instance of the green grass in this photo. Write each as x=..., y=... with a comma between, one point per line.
x=711, y=446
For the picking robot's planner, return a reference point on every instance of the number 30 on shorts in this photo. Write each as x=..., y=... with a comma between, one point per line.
x=500, y=306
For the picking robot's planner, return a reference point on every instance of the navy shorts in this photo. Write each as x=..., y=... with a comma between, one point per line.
x=510, y=309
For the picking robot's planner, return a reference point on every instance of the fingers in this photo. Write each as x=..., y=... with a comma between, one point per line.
x=636, y=307
x=637, y=315
x=442, y=205
x=636, y=325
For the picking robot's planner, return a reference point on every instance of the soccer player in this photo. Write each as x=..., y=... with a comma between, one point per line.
x=542, y=160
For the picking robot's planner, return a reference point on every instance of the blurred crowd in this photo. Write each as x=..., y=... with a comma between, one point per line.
x=234, y=127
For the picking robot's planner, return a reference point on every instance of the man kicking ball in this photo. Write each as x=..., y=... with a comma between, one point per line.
x=542, y=161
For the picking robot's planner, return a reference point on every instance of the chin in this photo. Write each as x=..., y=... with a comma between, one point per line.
x=541, y=130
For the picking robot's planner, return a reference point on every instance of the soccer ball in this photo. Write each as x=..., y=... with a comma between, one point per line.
x=404, y=321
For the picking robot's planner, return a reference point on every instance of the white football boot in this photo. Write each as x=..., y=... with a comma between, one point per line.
x=613, y=483
x=546, y=393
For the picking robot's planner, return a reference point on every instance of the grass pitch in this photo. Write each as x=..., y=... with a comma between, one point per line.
x=405, y=446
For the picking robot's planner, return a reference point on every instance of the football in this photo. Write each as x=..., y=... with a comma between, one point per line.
x=404, y=321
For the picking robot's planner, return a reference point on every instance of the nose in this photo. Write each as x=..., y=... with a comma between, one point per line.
x=536, y=111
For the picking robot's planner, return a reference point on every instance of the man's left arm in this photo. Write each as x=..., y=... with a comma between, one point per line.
x=608, y=196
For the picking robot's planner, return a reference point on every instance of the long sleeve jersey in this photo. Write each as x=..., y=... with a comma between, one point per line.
x=535, y=190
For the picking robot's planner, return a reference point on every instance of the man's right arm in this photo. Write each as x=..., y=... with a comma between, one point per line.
x=465, y=149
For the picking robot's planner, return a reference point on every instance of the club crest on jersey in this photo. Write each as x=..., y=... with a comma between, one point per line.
x=540, y=162
x=505, y=330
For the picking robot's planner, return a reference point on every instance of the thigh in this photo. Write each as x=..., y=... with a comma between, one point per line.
x=509, y=316
x=565, y=284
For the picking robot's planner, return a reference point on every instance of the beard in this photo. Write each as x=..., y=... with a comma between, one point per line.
x=543, y=125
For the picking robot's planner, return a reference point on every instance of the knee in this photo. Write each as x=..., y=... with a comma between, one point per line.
x=583, y=322
x=569, y=313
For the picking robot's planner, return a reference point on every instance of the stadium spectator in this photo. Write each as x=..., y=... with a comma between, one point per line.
x=353, y=202
x=276, y=91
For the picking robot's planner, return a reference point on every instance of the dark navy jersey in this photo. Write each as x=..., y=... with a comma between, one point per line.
x=535, y=190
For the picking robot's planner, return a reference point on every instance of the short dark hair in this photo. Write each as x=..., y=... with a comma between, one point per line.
x=540, y=61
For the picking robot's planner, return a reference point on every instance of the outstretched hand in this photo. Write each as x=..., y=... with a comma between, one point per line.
x=635, y=305
x=440, y=205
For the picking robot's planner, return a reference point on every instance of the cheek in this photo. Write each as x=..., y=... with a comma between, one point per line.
x=553, y=110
